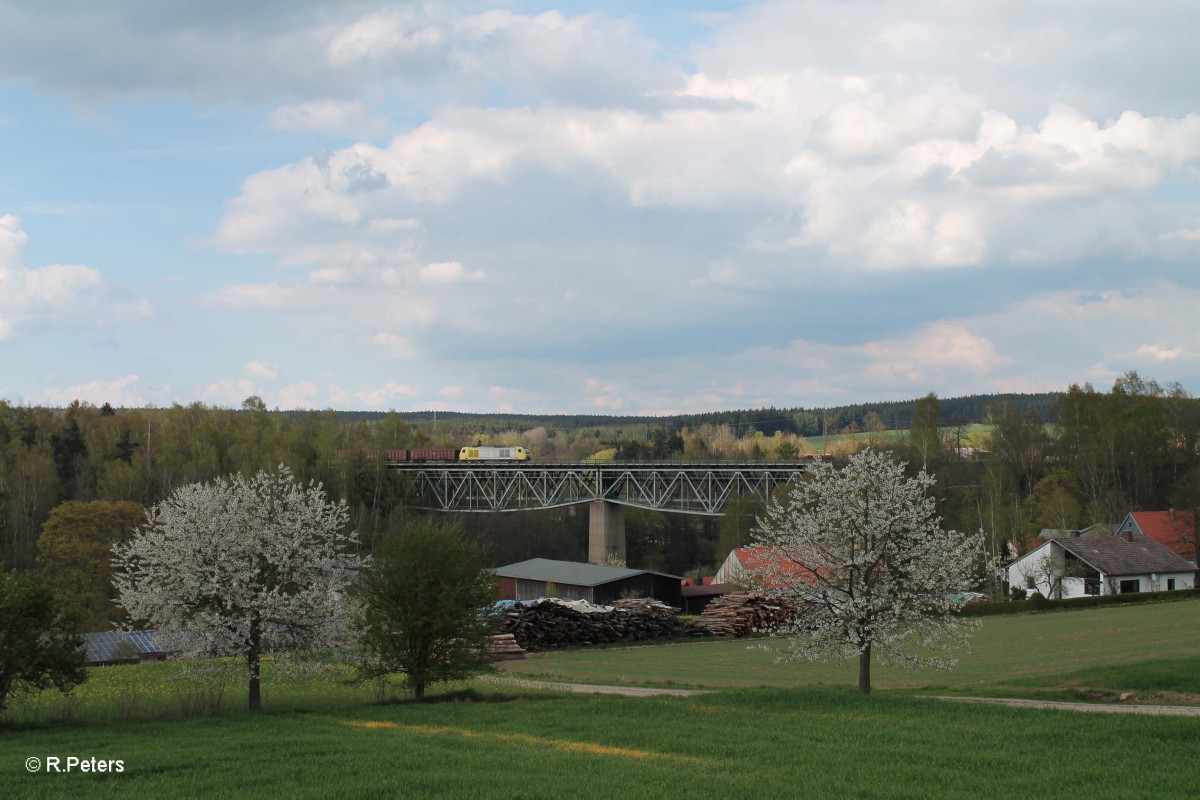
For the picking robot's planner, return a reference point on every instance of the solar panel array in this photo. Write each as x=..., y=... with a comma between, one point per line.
x=120, y=646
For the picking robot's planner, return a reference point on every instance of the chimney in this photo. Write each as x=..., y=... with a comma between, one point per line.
x=1129, y=535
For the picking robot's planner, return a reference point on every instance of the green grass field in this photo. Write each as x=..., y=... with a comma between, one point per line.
x=1023, y=655
x=766, y=731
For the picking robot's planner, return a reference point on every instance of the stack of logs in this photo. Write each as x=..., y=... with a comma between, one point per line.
x=546, y=624
x=743, y=613
x=504, y=647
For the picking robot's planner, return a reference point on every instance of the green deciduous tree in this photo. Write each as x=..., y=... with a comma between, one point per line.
x=924, y=438
x=427, y=607
x=40, y=645
x=75, y=551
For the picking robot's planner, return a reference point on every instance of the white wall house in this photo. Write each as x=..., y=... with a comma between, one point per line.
x=1091, y=565
x=734, y=569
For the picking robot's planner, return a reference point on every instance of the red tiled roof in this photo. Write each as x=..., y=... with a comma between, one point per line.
x=757, y=558
x=1174, y=529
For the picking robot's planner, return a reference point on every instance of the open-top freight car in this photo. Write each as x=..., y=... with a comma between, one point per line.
x=508, y=453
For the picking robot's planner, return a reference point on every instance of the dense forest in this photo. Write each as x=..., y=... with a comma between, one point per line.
x=1009, y=464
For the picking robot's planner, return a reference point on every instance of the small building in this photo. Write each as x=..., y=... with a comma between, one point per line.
x=746, y=566
x=121, y=647
x=697, y=596
x=1097, y=529
x=1178, y=531
x=595, y=583
x=1078, y=566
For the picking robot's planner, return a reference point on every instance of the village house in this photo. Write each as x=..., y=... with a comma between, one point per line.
x=1078, y=566
x=1175, y=530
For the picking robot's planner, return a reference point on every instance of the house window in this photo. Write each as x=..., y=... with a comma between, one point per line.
x=1091, y=586
x=1170, y=584
x=1131, y=586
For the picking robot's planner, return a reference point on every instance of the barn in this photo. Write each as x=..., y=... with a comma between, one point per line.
x=596, y=583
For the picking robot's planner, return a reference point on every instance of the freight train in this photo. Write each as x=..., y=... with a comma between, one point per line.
x=479, y=453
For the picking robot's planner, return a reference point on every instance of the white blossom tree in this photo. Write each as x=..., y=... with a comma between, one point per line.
x=864, y=558
x=240, y=567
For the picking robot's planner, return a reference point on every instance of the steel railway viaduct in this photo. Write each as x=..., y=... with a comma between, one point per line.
x=689, y=488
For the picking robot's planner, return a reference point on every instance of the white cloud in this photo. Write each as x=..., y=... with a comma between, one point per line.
x=124, y=392
x=1160, y=353
x=55, y=292
x=329, y=116
x=450, y=272
x=258, y=370
x=396, y=346
x=296, y=396
x=383, y=397
x=1190, y=235
x=230, y=392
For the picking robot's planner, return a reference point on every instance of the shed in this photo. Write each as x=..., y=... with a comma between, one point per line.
x=121, y=647
x=596, y=583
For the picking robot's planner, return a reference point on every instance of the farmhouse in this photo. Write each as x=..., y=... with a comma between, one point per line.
x=1089, y=565
x=741, y=564
x=1176, y=530
x=596, y=583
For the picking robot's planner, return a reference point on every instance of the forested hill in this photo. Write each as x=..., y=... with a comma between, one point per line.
x=895, y=415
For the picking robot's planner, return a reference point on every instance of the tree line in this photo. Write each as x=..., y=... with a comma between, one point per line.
x=1041, y=461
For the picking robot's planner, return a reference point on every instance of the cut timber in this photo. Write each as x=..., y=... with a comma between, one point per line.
x=547, y=624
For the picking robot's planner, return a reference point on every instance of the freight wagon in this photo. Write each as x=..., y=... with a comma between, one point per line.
x=482, y=453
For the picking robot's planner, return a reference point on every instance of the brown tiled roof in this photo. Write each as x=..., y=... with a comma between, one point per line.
x=1175, y=529
x=1114, y=555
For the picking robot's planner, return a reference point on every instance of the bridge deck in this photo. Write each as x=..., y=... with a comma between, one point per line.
x=666, y=486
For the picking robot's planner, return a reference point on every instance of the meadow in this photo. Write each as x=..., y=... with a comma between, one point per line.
x=763, y=730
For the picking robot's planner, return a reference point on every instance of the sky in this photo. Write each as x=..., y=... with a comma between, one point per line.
x=587, y=207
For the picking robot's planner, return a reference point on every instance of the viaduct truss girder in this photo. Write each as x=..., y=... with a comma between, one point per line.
x=687, y=488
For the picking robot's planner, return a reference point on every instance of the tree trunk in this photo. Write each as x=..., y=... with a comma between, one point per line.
x=864, y=670
x=253, y=662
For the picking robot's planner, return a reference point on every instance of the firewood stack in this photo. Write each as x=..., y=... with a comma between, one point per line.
x=743, y=613
x=546, y=624
x=504, y=647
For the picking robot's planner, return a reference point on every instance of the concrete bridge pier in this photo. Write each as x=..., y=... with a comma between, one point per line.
x=606, y=532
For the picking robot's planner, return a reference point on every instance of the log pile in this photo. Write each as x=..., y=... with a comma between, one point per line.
x=551, y=623
x=743, y=613
x=504, y=647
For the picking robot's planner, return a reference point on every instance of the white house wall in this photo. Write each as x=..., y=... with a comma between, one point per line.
x=1034, y=565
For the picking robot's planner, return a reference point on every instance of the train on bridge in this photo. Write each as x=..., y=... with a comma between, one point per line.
x=508, y=453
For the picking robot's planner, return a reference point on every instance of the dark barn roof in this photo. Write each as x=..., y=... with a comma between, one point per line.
x=1113, y=555
x=572, y=573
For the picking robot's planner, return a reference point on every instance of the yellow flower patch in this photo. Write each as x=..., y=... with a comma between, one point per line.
x=522, y=738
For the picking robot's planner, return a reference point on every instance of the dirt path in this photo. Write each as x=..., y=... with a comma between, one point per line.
x=646, y=691
x=587, y=688
x=1099, y=708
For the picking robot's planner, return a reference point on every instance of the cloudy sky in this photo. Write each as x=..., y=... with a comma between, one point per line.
x=592, y=207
